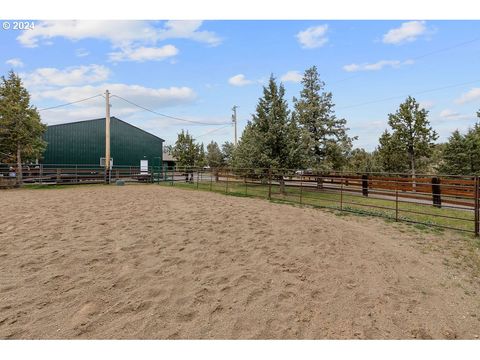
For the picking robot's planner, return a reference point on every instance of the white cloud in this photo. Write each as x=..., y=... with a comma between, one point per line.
x=119, y=33
x=313, y=37
x=152, y=98
x=188, y=29
x=472, y=95
x=148, y=97
x=16, y=62
x=448, y=114
x=239, y=80
x=76, y=75
x=407, y=32
x=144, y=53
x=82, y=52
x=376, y=66
x=292, y=76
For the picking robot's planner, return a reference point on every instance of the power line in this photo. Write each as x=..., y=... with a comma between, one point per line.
x=445, y=49
x=168, y=116
x=70, y=103
x=415, y=58
x=402, y=96
x=212, y=131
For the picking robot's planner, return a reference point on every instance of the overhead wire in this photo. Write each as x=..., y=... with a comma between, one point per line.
x=70, y=103
x=168, y=116
x=212, y=131
x=402, y=96
x=415, y=58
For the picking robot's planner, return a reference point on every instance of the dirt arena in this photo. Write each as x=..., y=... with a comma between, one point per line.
x=154, y=262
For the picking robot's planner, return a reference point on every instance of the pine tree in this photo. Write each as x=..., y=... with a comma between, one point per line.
x=412, y=129
x=455, y=155
x=297, y=149
x=461, y=155
x=214, y=155
x=390, y=154
x=227, y=152
x=267, y=140
x=362, y=161
x=185, y=150
x=324, y=134
x=248, y=150
x=200, y=160
x=264, y=142
x=21, y=129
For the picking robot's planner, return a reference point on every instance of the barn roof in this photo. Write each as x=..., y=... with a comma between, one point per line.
x=111, y=118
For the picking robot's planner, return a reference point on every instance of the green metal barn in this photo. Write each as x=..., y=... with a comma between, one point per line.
x=83, y=143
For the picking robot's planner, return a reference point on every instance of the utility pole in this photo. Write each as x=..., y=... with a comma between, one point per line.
x=234, y=121
x=107, y=136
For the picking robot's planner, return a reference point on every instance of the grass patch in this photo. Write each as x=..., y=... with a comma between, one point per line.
x=426, y=214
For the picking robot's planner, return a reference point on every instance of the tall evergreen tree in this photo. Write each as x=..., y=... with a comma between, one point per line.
x=227, y=152
x=461, y=155
x=390, y=154
x=185, y=150
x=297, y=149
x=412, y=130
x=324, y=133
x=214, y=155
x=200, y=160
x=264, y=142
x=21, y=129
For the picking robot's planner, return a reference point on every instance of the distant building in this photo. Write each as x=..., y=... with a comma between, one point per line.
x=83, y=143
x=168, y=159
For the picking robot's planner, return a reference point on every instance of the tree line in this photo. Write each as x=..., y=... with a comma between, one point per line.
x=306, y=135
x=311, y=136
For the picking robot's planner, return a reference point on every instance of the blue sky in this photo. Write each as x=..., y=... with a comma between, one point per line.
x=198, y=70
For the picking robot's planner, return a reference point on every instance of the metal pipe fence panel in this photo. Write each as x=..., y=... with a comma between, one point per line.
x=445, y=202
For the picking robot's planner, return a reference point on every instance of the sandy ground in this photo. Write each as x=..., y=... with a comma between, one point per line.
x=153, y=262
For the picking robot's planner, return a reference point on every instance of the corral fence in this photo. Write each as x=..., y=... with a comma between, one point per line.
x=444, y=202
x=449, y=202
x=62, y=174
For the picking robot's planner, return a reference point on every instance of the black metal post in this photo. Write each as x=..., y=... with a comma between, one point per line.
x=365, y=185
x=436, y=192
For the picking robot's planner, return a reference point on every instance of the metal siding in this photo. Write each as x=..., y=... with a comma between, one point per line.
x=84, y=143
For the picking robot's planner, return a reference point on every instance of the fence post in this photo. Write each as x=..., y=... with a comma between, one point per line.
x=41, y=174
x=211, y=178
x=76, y=173
x=173, y=175
x=341, y=194
x=396, y=200
x=301, y=189
x=269, y=184
x=226, y=186
x=246, y=190
x=319, y=180
x=365, y=185
x=436, y=192
x=197, y=177
x=477, y=225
